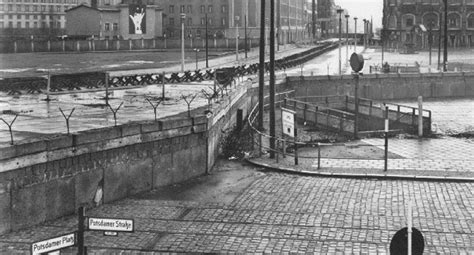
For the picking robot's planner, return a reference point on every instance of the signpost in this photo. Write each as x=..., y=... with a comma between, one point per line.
x=357, y=64
x=54, y=244
x=110, y=226
x=288, y=128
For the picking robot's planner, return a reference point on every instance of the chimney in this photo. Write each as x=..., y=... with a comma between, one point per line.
x=94, y=4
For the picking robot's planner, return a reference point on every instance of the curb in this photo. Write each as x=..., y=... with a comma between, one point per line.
x=290, y=170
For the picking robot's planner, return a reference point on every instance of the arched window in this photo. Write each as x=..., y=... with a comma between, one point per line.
x=470, y=20
x=430, y=20
x=408, y=20
x=454, y=20
x=392, y=21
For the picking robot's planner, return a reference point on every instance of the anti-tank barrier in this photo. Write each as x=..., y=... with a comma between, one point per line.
x=64, y=83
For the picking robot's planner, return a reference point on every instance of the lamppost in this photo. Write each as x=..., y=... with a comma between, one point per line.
x=207, y=44
x=237, y=18
x=347, y=37
x=430, y=38
x=339, y=11
x=365, y=33
x=197, y=51
x=183, y=17
x=445, y=56
x=355, y=34
x=164, y=37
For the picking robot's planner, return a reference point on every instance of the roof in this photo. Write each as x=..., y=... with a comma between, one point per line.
x=111, y=9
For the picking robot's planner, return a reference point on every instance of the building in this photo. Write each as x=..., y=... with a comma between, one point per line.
x=20, y=19
x=327, y=17
x=411, y=22
x=115, y=21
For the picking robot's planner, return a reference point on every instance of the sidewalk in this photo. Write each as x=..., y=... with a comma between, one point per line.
x=411, y=159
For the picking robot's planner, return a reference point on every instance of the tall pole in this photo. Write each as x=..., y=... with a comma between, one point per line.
x=445, y=57
x=339, y=11
x=207, y=45
x=439, y=40
x=245, y=31
x=355, y=34
x=183, y=16
x=261, y=66
x=347, y=37
x=272, y=79
x=237, y=39
x=430, y=40
x=313, y=13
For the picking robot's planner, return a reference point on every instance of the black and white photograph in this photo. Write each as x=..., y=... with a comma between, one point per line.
x=236, y=127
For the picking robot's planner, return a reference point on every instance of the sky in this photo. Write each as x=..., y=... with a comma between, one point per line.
x=363, y=9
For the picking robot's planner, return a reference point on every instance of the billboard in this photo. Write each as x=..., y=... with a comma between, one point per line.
x=137, y=19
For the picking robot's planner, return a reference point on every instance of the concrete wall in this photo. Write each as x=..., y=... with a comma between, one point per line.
x=44, y=179
x=387, y=86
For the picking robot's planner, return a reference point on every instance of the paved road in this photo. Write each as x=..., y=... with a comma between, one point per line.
x=278, y=213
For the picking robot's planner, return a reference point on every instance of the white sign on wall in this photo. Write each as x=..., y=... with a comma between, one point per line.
x=107, y=224
x=54, y=244
x=288, y=122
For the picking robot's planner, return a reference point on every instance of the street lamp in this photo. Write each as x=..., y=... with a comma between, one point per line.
x=355, y=34
x=430, y=39
x=339, y=11
x=445, y=56
x=365, y=33
x=196, y=50
x=207, y=45
x=183, y=17
x=237, y=18
x=347, y=37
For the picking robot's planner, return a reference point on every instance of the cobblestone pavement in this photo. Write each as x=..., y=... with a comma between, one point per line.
x=284, y=213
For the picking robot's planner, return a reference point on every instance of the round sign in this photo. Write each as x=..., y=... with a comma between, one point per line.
x=399, y=243
x=357, y=62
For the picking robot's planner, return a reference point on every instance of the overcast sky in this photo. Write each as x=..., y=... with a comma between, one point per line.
x=363, y=9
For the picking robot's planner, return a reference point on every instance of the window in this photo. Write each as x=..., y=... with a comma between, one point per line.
x=27, y=8
x=58, y=8
x=107, y=26
x=106, y=2
x=470, y=2
x=35, y=8
x=171, y=21
x=209, y=21
x=27, y=24
x=171, y=8
x=35, y=16
x=209, y=9
x=190, y=9
x=392, y=2
x=203, y=9
x=203, y=21
x=189, y=22
x=223, y=21
x=18, y=24
x=18, y=16
x=35, y=24
x=18, y=7
x=10, y=24
x=1, y=24
x=224, y=8
x=43, y=8
x=1, y=16
x=115, y=26
x=10, y=7
x=409, y=22
x=183, y=9
x=1, y=7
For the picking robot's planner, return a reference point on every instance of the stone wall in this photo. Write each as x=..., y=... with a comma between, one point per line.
x=387, y=86
x=47, y=178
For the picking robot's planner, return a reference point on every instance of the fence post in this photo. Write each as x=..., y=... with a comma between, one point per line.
x=319, y=156
x=49, y=45
x=32, y=46
x=163, y=88
x=296, y=146
x=106, y=88
x=386, y=139
x=80, y=233
x=48, y=86
x=260, y=144
x=316, y=116
x=420, y=116
x=15, y=47
x=78, y=46
x=304, y=113
x=118, y=45
x=277, y=153
x=130, y=44
x=64, y=45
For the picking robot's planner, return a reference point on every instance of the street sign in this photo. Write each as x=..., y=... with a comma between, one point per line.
x=288, y=122
x=357, y=62
x=399, y=243
x=54, y=244
x=110, y=224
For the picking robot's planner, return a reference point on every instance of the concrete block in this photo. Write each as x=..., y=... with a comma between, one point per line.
x=199, y=128
x=28, y=206
x=200, y=120
x=5, y=207
x=7, y=152
x=151, y=126
x=85, y=185
x=29, y=147
x=59, y=198
x=131, y=129
x=96, y=135
x=59, y=142
x=175, y=122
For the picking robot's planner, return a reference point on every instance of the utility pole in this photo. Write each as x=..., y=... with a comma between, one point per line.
x=261, y=66
x=355, y=34
x=207, y=44
x=445, y=58
x=347, y=37
x=439, y=39
x=339, y=11
x=272, y=79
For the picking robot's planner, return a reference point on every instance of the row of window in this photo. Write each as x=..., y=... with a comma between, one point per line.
x=114, y=27
x=450, y=2
x=34, y=24
x=34, y=8
x=41, y=1
x=189, y=9
x=431, y=20
x=189, y=21
x=27, y=16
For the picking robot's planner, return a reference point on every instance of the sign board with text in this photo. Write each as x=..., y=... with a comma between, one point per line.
x=110, y=224
x=288, y=122
x=54, y=244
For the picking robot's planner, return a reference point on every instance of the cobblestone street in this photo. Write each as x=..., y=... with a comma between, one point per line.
x=283, y=213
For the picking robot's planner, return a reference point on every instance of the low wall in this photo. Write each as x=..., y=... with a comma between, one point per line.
x=387, y=86
x=44, y=179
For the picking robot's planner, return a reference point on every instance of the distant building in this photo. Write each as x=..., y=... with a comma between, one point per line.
x=34, y=18
x=411, y=22
x=124, y=21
